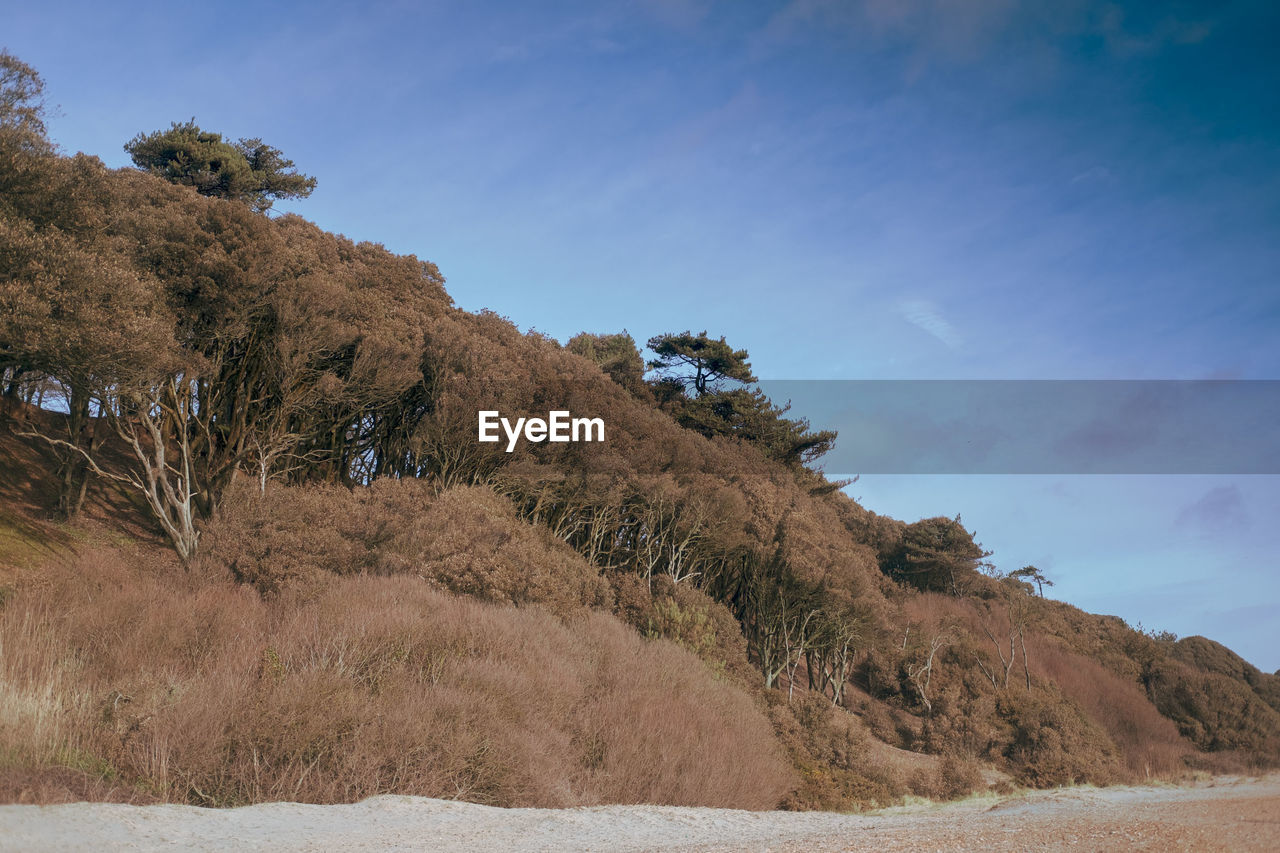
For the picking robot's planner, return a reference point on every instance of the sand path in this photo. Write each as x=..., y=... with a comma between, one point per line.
x=1222, y=814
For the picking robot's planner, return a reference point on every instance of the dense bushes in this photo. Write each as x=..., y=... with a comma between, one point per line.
x=467, y=540
x=687, y=617
x=834, y=756
x=1148, y=742
x=1214, y=712
x=1050, y=742
x=1207, y=655
x=197, y=691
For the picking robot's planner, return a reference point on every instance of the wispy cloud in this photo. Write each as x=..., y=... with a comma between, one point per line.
x=1219, y=511
x=1094, y=174
x=927, y=317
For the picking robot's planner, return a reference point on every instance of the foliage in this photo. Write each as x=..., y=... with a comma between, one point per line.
x=1203, y=653
x=749, y=416
x=464, y=540
x=363, y=686
x=617, y=355
x=248, y=170
x=710, y=360
x=1050, y=742
x=1213, y=711
x=689, y=618
x=937, y=554
x=1030, y=574
x=21, y=96
x=834, y=757
x=23, y=144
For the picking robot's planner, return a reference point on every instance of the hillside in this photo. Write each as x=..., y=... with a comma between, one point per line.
x=252, y=550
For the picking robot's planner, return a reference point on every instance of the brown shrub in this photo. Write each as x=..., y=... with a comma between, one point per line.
x=1215, y=712
x=51, y=785
x=185, y=689
x=689, y=618
x=876, y=716
x=467, y=540
x=1051, y=742
x=1149, y=742
x=969, y=718
x=290, y=536
x=470, y=541
x=958, y=776
x=835, y=758
x=1203, y=653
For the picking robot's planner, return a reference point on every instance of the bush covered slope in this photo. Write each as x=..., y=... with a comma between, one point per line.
x=252, y=550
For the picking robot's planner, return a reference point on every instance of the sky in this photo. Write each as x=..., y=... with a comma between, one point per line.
x=850, y=189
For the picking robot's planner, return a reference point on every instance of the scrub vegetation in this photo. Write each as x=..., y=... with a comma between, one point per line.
x=251, y=549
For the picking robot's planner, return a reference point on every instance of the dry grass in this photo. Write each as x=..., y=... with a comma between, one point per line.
x=194, y=689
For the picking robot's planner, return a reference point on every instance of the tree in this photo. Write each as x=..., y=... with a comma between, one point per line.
x=710, y=360
x=76, y=314
x=919, y=669
x=249, y=170
x=21, y=98
x=831, y=652
x=616, y=355
x=1033, y=575
x=24, y=147
x=750, y=416
x=937, y=554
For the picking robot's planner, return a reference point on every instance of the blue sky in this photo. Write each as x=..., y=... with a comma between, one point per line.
x=877, y=189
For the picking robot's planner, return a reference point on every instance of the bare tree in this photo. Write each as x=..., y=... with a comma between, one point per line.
x=156, y=426
x=830, y=655
x=159, y=432
x=1016, y=640
x=920, y=674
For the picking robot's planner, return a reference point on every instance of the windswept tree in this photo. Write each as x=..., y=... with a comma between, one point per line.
x=937, y=554
x=248, y=170
x=689, y=369
x=749, y=415
x=697, y=361
x=1030, y=574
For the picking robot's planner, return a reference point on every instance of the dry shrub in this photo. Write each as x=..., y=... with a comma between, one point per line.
x=836, y=760
x=291, y=536
x=689, y=618
x=1215, y=712
x=958, y=776
x=1232, y=762
x=470, y=541
x=51, y=785
x=192, y=690
x=1203, y=653
x=974, y=717
x=1050, y=742
x=1149, y=742
x=876, y=716
x=948, y=778
x=467, y=540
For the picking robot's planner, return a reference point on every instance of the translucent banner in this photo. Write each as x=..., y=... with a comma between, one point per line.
x=1042, y=426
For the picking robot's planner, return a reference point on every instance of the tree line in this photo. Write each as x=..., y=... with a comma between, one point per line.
x=185, y=338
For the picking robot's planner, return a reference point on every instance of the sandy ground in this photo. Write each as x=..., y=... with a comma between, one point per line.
x=1223, y=814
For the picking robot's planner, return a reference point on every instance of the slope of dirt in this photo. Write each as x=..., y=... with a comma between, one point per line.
x=1223, y=814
